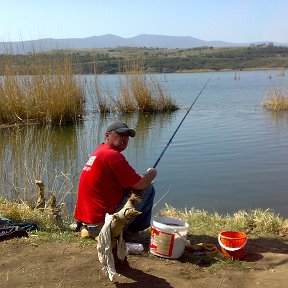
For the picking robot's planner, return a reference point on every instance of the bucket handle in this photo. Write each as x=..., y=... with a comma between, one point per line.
x=230, y=248
x=187, y=242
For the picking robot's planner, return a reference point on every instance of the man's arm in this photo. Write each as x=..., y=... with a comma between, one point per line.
x=146, y=179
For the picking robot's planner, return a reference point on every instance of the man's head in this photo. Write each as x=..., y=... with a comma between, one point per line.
x=120, y=127
x=117, y=135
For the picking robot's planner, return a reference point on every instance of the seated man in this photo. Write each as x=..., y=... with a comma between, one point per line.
x=106, y=181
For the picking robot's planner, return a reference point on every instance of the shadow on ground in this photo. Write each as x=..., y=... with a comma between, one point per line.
x=140, y=278
x=254, y=250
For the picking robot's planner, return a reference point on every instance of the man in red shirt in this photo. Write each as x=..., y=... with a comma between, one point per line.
x=106, y=180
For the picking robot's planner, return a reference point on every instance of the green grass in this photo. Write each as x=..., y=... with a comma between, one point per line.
x=204, y=227
x=183, y=60
x=258, y=222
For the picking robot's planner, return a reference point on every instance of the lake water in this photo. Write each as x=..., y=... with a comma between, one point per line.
x=229, y=153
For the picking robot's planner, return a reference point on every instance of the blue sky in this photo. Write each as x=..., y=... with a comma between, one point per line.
x=234, y=21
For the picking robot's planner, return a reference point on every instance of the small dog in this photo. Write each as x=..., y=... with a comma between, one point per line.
x=122, y=218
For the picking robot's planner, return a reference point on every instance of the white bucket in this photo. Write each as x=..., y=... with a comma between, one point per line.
x=168, y=237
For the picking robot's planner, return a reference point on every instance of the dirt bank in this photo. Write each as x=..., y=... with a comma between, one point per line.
x=32, y=263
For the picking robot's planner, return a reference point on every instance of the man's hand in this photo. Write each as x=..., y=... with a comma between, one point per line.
x=152, y=172
x=146, y=179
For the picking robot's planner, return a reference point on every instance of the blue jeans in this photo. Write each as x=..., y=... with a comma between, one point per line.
x=145, y=206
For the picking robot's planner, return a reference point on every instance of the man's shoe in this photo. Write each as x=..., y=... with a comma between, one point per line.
x=85, y=233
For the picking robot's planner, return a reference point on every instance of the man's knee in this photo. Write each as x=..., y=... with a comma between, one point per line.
x=149, y=192
x=147, y=199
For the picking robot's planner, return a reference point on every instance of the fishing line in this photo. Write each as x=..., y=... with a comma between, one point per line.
x=162, y=197
x=170, y=140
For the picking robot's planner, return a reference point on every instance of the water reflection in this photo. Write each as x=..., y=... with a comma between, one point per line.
x=29, y=153
x=278, y=120
x=56, y=155
x=229, y=154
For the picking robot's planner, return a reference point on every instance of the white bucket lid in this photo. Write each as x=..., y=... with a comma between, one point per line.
x=169, y=223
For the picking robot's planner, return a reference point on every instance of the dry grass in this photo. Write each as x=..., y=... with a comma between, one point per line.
x=138, y=92
x=23, y=213
x=142, y=92
x=101, y=100
x=256, y=222
x=45, y=91
x=126, y=101
x=277, y=100
x=49, y=93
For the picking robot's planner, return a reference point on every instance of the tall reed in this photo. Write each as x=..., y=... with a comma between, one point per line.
x=103, y=96
x=138, y=92
x=30, y=153
x=47, y=92
x=142, y=92
x=277, y=100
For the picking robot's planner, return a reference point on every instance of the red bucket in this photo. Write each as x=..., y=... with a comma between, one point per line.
x=232, y=244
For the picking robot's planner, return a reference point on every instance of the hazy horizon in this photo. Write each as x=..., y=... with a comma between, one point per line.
x=109, y=34
x=235, y=22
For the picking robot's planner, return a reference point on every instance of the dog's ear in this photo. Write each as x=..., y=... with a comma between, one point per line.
x=130, y=213
x=134, y=199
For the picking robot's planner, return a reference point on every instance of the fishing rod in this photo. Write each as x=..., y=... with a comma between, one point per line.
x=170, y=140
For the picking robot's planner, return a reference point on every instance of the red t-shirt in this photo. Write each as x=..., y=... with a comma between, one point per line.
x=104, y=178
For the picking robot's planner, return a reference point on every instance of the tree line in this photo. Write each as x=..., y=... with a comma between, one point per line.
x=111, y=61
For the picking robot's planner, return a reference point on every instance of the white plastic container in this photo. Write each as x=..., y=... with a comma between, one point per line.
x=168, y=237
x=134, y=247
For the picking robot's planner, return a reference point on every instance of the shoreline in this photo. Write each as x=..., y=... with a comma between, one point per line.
x=226, y=70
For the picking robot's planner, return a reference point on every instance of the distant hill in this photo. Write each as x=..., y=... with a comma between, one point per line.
x=113, y=41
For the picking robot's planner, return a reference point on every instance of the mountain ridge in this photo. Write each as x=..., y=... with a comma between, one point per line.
x=114, y=41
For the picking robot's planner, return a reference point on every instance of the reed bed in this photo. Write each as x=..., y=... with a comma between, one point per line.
x=142, y=92
x=138, y=92
x=44, y=90
x=277, y=100
x=103, y=96
x=256, y=222
x=47, y=92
